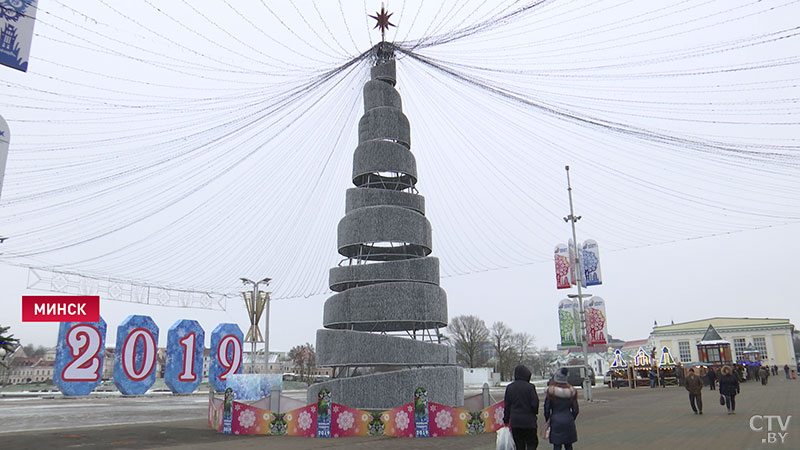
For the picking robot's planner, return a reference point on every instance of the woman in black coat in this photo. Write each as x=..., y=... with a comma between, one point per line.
x=712, y=378
x=561, y=409
x=728, y=388
x=521, y=407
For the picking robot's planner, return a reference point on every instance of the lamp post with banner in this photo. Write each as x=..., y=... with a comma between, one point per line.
x=579, y=282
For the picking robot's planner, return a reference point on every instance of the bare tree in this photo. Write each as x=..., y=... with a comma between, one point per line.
x=304, y=358
x=540, y=362
x=501, y=341
x=469, y=336
x=34, y=351
x=522, y=344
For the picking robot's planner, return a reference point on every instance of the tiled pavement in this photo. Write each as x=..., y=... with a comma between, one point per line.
x=619, y=419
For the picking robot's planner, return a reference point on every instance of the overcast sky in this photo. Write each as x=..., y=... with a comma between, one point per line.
x=183, y=146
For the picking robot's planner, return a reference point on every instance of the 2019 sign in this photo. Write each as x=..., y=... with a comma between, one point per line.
x=80, y=353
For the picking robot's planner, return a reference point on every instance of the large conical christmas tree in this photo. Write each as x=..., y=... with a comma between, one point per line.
x=382, y=326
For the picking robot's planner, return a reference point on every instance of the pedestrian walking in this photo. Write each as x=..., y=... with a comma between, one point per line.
x=652, y=376
x=728, y=388
x=661, y=376
x=739, y=373
x=711, y=376
x=786, y=371
x=521, y=408
x=764, y=374
x=560, y=411
x=694, y=385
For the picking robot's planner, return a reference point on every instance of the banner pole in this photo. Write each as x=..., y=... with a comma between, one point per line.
x=587, y=382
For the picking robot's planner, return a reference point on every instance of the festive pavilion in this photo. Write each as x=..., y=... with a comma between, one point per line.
x=642, y=365
x=620, y=371
x=713, y=350
x=667, y=368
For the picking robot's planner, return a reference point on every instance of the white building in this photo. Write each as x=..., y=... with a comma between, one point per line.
x=771, y=337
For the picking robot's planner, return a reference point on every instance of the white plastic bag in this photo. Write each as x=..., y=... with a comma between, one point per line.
x=504, y=439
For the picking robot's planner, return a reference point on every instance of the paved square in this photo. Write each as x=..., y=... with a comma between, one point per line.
x=619, y=419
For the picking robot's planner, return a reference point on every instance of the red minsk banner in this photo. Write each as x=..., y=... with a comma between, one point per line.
x=60, y=308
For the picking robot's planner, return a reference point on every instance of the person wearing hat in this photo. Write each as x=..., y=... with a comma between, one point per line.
x=520, y=409
x=560, y=410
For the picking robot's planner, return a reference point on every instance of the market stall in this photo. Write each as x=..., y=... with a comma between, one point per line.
x=642, y=366
x=667, y=369
x=620, y=371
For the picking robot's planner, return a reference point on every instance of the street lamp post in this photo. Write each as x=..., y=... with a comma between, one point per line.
x=587, y=382
x=256, y=294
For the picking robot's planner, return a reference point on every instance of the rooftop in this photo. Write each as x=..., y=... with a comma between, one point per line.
x=721, y=323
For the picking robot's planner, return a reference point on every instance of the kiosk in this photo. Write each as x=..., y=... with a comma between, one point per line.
x=667, y=369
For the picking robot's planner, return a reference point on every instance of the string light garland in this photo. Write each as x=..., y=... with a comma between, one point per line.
x=175, y=149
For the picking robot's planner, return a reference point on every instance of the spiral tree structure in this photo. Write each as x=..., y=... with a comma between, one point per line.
x=381, y=333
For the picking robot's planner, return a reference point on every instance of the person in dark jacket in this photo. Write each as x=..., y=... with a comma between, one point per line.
x=694, y=385
x=786, y=371
x=561, y=409
x=712, y=378
x=728, y=388
x=521, y=407
x=764, y=374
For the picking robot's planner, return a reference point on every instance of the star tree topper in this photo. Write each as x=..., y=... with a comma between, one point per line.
x=382, y=18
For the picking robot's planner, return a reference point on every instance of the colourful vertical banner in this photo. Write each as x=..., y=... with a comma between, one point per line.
x=566, y=322
x=421, y=413
x=576, y=321
x=324, y=413
x=596, y=326
x=227, y=411
x=573, y=270
x=590, y=260
x=16, y=32
x=561, y=256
